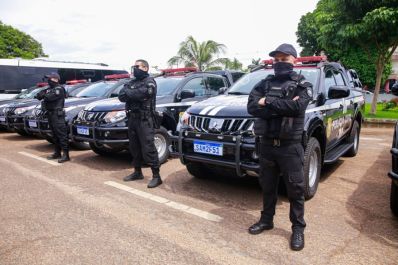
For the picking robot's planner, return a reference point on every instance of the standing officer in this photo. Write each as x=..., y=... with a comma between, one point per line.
x=53, y=102
x=279, y=103
x=140, y=97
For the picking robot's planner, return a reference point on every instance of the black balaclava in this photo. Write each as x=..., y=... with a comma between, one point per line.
x=283, y=69
x=140, y=74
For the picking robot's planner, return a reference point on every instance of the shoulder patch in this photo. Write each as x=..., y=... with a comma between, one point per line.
x=57, y=91
x=309, y=91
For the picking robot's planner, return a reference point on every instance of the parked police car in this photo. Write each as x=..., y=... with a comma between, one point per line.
x=37, y=121
x=103, y=123
x=216, y=135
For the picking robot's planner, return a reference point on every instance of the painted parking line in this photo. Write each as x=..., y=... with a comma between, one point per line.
x=166, y=202
x=370, y=139
x=40, y=158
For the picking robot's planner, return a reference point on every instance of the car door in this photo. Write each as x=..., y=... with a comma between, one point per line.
x=347, y=105
x=333, y=110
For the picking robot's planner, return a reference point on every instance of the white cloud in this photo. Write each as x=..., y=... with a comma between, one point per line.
x=118, y=32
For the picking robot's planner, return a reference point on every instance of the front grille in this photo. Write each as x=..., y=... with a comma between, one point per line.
x=91, y=116
x=217, y=125
x=39, y=112
x=10, y=110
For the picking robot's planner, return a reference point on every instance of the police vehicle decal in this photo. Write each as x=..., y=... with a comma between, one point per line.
x=180, y=104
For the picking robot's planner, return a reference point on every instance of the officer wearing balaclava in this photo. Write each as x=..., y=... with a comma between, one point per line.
x=279, y=103
x=53, y=102
x=140, y=97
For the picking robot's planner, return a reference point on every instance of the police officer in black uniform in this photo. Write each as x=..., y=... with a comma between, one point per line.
x=279, y=103
x=140, y=97
x=53, y=100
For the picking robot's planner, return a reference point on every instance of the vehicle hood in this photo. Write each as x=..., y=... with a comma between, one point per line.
x=222, y=106
x=110, y=104
x=23, y=103
x=69, y=102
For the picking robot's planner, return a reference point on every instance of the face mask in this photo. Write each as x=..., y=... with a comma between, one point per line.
x=140, y=74
x=52, y=84
x=282, y=69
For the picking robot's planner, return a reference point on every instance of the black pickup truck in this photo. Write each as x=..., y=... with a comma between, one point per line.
x=393, y=174
x=103, y=123
x=216, y=136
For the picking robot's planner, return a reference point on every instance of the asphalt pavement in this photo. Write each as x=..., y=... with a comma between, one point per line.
x=82, y=212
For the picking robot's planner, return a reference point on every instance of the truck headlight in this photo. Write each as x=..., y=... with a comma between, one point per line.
x=184, y=118
x=115, y=116
x=20, y=111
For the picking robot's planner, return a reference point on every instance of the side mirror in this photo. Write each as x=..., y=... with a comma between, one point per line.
x=338, y=92
x=189, y=93
x=222, y=90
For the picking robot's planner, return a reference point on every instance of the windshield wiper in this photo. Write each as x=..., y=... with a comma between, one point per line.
x=237, y=93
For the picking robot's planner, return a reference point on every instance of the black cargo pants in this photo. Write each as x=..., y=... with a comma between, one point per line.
x=142, y=142
x=286, y=161
x=56, y=122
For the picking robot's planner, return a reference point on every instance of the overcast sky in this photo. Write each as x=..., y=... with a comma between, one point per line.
x=117, y=32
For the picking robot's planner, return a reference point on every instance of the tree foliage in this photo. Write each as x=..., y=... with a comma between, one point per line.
x=202, y=55
x=347, y=28
x=15, y=43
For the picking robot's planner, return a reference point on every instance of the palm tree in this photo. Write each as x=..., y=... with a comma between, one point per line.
x=232, y=64
x=201, y=55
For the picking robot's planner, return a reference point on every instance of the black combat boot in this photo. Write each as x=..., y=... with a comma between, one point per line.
x=156, y=179
x=65, y=157
x=261, y=225
x=297, y=240
x=134, y=176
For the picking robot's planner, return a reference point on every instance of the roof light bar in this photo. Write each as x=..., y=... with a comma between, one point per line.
x=306, y=59
x=42, y=84
x=179, y=70
x=117, y=76
x=74, y=82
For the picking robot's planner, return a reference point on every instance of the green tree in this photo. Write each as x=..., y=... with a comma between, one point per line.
x=15, y=43
x=202, y=55
x=344, y=25
x=232, y=64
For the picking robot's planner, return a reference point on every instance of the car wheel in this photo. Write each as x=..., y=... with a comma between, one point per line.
x=354, y=139
x=102, y=150
x=197, y=170
x=394, y=198
x=162, y=142
x=312, y=167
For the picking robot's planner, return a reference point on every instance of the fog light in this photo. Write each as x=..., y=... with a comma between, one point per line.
x=107, y=133
x=254, y=155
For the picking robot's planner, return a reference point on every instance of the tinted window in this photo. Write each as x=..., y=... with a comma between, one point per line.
x=246, y=83
x=167, y=85
x=329, y=81
x=214, y=84
x=100, y=89
x=237, y=75
x=197, y=85
x=339, y=78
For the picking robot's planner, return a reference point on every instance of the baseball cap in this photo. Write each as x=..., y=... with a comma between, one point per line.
x=286, y=49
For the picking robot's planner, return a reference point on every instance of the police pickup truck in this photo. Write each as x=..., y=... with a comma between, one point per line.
x=216, y=136
x=103, y=123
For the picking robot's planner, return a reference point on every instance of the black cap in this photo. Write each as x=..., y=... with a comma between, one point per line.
x=53, y=75
x=286, y=49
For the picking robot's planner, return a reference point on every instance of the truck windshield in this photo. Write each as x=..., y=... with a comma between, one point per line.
x=167, y=85
x=246, y=83
x=100, y=89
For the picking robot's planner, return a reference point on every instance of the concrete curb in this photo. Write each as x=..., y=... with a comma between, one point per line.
x=380, y=121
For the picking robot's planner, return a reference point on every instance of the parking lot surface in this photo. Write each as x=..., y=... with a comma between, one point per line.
x=81, y=212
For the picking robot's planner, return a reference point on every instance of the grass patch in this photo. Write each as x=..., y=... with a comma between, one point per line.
x=380, y=113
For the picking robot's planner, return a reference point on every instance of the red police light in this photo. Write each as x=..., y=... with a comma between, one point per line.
x=311, y=59
x=117, y=76
x=41, y=84
x=74, y=82
x=179, y=70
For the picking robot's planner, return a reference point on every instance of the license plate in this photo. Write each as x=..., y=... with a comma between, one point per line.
x=32, y=124
x=209, y=148
x=2, y=119
x=83, y=130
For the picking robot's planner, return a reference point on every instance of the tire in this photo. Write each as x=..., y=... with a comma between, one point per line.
x=162, y=142
x=197, y=170
x=312, y=167
x=354, y=138
x=394, y=198
x=102, y=150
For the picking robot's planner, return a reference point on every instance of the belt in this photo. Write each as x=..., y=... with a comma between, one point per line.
x=277, y=142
